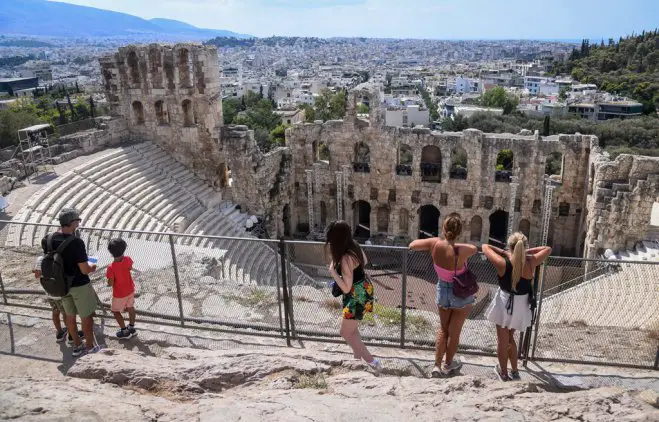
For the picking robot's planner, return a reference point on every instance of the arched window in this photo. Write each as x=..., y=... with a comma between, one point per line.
x=458, y=164
x=155, y=64
x=161, y=113
x=189, y=118
x=323, y=152
x=133, y=68
x=362, y=219
x=362, y=162
x=476, y=227
x=554, y=167
x=525, y=227
x=404, y=221
x=504, y=167
x=498, y=228
x=428, y=221
x=431, y=164
x=138, y=113
x=383, y=219
x=185, y=68
x=404, y=167
x=323, y=214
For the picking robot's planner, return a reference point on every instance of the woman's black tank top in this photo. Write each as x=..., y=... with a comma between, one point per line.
x=505, y=281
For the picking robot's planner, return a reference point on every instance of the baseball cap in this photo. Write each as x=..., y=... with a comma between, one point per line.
x=68, y=216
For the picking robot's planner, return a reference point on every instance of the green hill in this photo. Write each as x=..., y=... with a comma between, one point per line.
x=629, y=67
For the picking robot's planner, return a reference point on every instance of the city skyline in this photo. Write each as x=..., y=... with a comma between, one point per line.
x=422, y=19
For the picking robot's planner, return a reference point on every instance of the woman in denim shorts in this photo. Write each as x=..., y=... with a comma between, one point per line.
x=448, y=259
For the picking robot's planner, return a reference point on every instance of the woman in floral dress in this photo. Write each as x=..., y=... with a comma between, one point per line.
x=347, y=270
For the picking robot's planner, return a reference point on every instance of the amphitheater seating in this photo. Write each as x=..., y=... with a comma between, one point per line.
x=140, y=187
x=625, y=296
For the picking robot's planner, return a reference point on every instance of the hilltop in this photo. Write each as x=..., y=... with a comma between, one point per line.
x=54, y=19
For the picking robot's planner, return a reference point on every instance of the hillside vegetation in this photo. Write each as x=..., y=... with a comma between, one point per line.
x=628, y=67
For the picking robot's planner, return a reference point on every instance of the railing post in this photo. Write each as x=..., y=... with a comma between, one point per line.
x=2, y=287
x=178, y=281
x=281, y=320
x=403, y=300
x=539, y=289
x=284, y=285
x=656, y=359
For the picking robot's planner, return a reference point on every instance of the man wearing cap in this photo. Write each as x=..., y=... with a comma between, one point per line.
x=81, y=299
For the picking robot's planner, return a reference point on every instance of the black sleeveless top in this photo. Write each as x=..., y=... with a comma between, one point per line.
x=357, y=274
x=505, y=282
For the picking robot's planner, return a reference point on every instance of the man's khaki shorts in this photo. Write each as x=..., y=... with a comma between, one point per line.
x=56, y=304
x=81, y=301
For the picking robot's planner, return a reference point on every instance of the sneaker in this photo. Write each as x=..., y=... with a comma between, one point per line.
x=514, y=375
x=131, y=328
x=453, y=366
x=501, y=377
x=124, y=334
x=69, y=341
x=436, y=372
x=61, y=335
x=94, y=349
x=79, y=350
x=376, y=364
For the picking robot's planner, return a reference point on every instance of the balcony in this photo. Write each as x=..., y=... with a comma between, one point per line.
x=459, y=173
x=504, y=176
x=431, y=172
x=403, y=170
x=361, y=167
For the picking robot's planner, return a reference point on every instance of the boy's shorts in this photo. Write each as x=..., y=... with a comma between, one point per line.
x=56, y=304
x=120, y=304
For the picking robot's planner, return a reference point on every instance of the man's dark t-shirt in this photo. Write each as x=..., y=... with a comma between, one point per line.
x=73, y=254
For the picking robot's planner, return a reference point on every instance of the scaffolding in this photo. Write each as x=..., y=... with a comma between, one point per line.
x=34, y=147
x=546, y=212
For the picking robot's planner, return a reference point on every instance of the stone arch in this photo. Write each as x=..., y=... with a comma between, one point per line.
x=405, y=160
x=476, y=227
x=323, y=214
x=554, y=165
x=403, y=221
x=383, y=219
x=428, y=221
x=431, y=164
x=155, y=63
x=162, y=115
x=504, y=166
x=185, y=68
x=498, y=228
x=189, y=117
x=286, y=220
x=362, y=162
x=361, y=212
x=138, y=113
x=168, y=66
x=459, y=164
x=525, y=227
x=133, y=68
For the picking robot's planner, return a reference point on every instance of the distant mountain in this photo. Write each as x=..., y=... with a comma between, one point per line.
x=46, y=18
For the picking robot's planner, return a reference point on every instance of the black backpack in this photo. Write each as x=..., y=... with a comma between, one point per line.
x=53, y=279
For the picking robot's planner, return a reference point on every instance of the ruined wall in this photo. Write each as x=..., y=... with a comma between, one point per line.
x=621, y=195
x=396, y=197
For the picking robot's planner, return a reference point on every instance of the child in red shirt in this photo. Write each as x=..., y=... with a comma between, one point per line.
x=123, y=287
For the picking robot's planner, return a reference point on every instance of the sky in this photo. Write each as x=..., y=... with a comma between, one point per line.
x=433, y=19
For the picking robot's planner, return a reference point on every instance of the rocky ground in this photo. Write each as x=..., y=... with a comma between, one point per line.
x=182, y=374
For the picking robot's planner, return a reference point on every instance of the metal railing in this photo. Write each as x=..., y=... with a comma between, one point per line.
x=589, y=311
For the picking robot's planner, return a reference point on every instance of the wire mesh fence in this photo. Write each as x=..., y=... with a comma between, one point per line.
x=593, y=311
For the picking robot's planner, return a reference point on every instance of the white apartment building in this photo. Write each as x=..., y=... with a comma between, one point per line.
x=410, y=116
x=532, y=83
x=467, y=85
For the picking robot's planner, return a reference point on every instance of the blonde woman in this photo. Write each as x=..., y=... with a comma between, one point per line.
x=449, y=258
x=510, y=309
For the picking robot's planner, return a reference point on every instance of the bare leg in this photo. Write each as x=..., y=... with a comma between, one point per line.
x=63, y=319
x=56, y=323
x=458, y=318
x=512, y=350
x=349, y=331
x=120, y=319
x=73, y=329
x=131, y=316
x=442, y=335
x=88, y=329
x=502, y=349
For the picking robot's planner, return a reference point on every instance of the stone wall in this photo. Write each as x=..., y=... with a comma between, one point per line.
x=621, y=195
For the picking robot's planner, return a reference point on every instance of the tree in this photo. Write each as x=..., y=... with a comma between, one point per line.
x=499, y=98
x=546, y=125
x=278, y=135
x=562, y=94
x=231, y=107
x=505, y=160
x=309, y=112
x=362, y=108
x=330, y=106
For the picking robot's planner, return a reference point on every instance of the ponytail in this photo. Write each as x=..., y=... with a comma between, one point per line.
x=519, y=256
